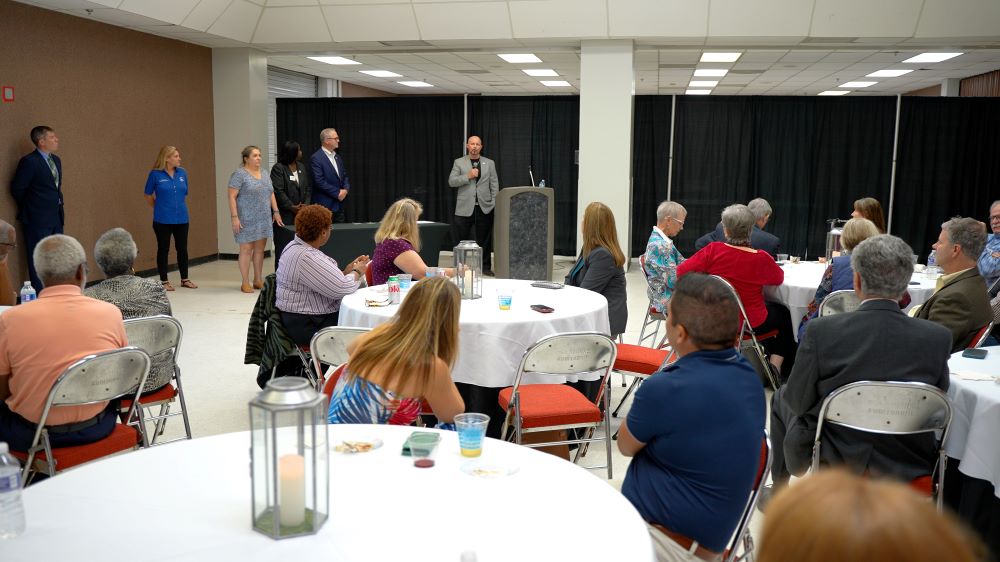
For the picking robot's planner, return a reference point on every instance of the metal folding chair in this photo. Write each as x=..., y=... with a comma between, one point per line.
x=741, y=547
x=95, y=378
x=980, y=338
x=157, y=335
x=546, y=407
x=329, y=346
x=889, y=408
x=839, y=302
x=653, y=317
x=750, y=342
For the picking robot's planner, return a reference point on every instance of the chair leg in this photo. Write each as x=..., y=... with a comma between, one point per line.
x=607, y=435
x=184, y=408
x=635, y=383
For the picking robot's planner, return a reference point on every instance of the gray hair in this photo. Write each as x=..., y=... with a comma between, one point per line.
x=995, y=203
x=967, y=233
x=671, y=209
x=738, y=221
x=885, y=266
x=760, y=208
x=326, y=133
x=57, y=259
x=115, y=252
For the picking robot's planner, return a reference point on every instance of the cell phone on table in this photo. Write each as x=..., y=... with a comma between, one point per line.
x=432, y=435
x=542, y=308
x=975, y=353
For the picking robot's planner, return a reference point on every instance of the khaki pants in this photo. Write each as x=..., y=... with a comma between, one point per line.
x=667, y=550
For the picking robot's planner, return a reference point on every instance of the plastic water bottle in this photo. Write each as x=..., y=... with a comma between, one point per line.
x=28, y=293
x=541, y=183
x=11, y=508
x=932, y=267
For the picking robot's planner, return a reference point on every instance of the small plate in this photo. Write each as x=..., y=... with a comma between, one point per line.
x=489, y=469
x=360, y=445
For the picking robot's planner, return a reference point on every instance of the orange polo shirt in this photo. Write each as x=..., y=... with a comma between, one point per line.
x=39, y=339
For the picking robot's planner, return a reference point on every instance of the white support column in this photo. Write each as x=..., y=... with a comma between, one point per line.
x=239, y=94
x=607, y=87
x=950, y=87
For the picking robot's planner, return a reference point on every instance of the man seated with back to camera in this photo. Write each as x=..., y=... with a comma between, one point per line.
x=695, y=428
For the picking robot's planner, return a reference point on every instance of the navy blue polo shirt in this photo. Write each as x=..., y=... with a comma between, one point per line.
x=169, y=207
x=702, y=420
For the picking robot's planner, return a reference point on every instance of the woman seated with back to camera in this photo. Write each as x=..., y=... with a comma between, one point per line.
x=404, y=361
x=310, y=283
x=748, y=270
x=397, y=242
x=115, y=253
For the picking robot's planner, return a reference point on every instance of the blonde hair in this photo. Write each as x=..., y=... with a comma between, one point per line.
x=599, y=231
x=400, y=221
x=246, y=152
x=834, y=516
x=856, y=231
x=161, y=159
x=425, y=328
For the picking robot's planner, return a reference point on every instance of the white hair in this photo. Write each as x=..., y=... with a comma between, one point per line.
x=57, y=259
x=115, y=252
x=671, y=209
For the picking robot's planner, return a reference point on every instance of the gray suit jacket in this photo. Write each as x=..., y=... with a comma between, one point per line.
x=962, y=306
x=468, y=191
x=598, y=272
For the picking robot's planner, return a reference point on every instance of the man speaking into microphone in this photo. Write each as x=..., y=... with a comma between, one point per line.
x=475, y=177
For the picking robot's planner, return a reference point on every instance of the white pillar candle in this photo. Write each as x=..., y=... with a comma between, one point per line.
x=468, y=283
x=292, y=489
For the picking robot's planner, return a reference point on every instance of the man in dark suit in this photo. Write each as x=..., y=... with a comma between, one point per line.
x=759, y=240
x=37, y=189
x=876, y=342
x=960, y=302
x=475, y=178
x=330, y=181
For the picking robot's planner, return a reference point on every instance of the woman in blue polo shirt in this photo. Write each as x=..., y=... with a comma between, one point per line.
x=166, y=190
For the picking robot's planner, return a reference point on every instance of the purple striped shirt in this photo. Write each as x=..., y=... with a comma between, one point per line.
x=311, y=282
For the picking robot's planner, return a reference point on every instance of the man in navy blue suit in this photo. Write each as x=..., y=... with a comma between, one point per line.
x=330, y=182
x=37, y=189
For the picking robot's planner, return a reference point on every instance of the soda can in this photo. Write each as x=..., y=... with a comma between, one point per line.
x=393, y=287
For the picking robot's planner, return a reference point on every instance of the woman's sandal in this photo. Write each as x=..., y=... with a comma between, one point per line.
x=188, y=284
x=167, y=286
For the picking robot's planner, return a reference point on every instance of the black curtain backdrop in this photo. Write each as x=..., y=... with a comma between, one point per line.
x=948, y=164
x=650, y=166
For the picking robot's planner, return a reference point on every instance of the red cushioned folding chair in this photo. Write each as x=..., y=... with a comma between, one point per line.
x=750, y=345
x=741, y=547
x=329, y=347
x=980, y=338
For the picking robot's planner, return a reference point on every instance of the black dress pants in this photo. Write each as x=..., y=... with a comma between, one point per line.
x=482, y=224
x=163, y=233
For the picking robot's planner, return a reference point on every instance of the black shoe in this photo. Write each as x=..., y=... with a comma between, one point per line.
x=766, y=493
x=489, y=273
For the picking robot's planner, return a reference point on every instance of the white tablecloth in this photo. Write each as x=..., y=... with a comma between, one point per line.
x=802, y=279
x=191, y=501
x=975, y=420
x=492, y=341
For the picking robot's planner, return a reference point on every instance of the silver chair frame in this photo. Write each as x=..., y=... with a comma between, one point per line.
x=329, y=346
x=95, y=378
x=638, y=378
x=839, y=302
x=559, y=355
x=155, y=335
x=743, y=537
x=652, y=317
x=978, y=342
x=752, y=343
x=888, y=408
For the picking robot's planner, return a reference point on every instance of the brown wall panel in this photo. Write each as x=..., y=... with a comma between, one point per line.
x=113, y=96
x=348, y=90
x=982, y=85
x=929, y=91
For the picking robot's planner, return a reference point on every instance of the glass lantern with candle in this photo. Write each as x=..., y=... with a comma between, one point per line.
x=289, y=459
x=469, y=269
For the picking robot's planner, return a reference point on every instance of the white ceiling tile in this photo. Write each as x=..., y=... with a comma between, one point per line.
x=761, y=56
x=670, y=56
x=115, y=17
x=372, y=23
x=765, y=18
x=271, y=3
x=948, y=18
x=205, y=13
x=865, y=18
x=804, y=56
x=172, y=12
x=238, y=21
x=559, y=18
x=290, y=25
x=486, y=20
x=658, y=18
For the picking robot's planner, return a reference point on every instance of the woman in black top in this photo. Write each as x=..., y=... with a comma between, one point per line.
x=291, y=181
x=599, y=267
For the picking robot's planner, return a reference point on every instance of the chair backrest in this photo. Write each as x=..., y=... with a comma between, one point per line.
x=329, y=345
x=368, y=276
x=155, y=334
x=743, y=311
x=573, y=353
x=839, y=302
x=741, y=535
x=331, y=382
x=980, y=338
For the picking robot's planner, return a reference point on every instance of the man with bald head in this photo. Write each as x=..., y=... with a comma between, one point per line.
x=475, y=178
x=8, y=241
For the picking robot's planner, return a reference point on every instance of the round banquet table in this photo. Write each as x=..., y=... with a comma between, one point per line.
x=492, y=341
x=975, y=399
x=802, y=279
x=190, y=500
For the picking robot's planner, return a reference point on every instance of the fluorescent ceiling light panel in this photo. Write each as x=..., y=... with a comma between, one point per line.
x=834, y=93
x=888, y=73
x=334, y=60
x=710, y=72
x=520, y=58
x=697, y=92
x=931, y=57
x=703, y=83
x=720, y=57
x=416, y=84
x=556, y=83
x=539, y=72
x=381, y=73
x=857, y=84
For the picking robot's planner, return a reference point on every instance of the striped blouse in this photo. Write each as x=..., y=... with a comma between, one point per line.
x=311, y=282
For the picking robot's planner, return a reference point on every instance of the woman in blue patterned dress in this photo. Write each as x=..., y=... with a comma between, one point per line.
x=404, y=361
x=252, y=207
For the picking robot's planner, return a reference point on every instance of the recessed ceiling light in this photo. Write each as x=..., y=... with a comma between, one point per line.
x=520, y=58
x=539, y=72
x=710, y=72
x=720, y=57
x=416, y=84
x=380, y=73
x=334, y=60
x=859, y=84
x=703, y=83
x=834, y=93
x=556, y=83
x=931, y=57
x=697, y=92
x=888, y=73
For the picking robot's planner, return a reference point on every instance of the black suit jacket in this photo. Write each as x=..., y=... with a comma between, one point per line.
x=289, y=193
x=759, y=240
x=39, y=199
x=599, y=273
x=876, y=342
x=962, y=306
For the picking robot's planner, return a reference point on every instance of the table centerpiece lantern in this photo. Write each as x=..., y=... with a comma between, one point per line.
x=469, y=269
